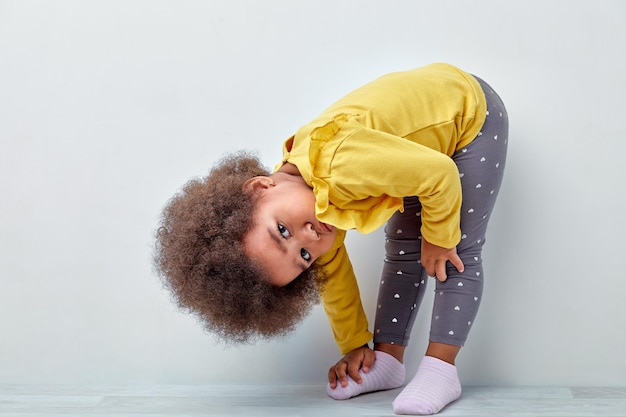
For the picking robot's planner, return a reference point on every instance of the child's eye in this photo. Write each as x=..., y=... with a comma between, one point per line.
x=305, y=254
x=283, y=231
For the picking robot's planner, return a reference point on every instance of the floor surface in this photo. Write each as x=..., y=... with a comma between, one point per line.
x=296, y=400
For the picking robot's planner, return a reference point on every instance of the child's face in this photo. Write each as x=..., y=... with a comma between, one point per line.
x=286, y=237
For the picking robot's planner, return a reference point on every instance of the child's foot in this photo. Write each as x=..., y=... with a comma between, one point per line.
x=435, y=385
x=386, y=373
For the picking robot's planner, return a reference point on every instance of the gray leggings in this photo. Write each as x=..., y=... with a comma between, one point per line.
x=404, y=281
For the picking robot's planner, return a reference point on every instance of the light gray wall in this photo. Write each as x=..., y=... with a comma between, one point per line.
x=107, y=107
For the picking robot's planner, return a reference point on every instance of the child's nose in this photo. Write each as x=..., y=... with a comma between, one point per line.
x=311, y=232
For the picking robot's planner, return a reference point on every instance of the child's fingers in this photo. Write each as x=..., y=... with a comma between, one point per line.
x=368, y=360
x=332, y=377
x=353, y=371
x=337, y=373
x=454, y=259
x=441, y=271
x=350, y=365
x=457, y=262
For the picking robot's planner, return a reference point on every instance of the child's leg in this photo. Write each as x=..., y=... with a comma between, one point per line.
x=481, y=165
x=401, y=290
x=403, y=282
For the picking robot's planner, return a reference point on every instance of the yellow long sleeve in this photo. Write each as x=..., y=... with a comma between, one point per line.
x=342, y=300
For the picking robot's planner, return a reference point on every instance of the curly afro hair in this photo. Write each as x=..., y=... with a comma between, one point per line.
x=200, y=259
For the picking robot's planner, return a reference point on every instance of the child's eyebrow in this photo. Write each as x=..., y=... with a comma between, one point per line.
x=281, y=245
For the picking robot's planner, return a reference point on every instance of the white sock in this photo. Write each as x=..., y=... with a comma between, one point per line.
x=386, y=373
x=435, y=385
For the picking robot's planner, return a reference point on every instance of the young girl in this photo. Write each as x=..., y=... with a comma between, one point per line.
x=422, y=151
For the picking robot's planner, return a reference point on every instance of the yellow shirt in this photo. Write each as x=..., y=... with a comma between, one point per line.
x=387, y=140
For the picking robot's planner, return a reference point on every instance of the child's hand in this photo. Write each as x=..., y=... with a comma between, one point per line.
x=360, y=358
x=434, y=260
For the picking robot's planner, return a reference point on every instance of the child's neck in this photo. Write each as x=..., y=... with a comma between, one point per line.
x=289, y=168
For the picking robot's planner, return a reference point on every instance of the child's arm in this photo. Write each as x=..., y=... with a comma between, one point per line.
x=342, y=300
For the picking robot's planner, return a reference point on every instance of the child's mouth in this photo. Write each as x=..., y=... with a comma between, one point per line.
x=326, y=227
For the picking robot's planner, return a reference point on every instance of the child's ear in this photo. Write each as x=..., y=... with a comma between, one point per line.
x=258, y=184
